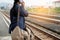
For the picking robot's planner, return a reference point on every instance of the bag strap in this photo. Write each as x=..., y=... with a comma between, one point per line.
x=20, y=32
x=18, y=16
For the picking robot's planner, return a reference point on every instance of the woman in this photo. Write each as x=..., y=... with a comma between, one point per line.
x=13, y=15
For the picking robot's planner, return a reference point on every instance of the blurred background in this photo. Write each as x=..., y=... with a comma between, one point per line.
x=43, y=19
x=35, y=6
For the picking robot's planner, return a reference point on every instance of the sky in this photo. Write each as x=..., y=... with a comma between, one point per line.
x=32, y=2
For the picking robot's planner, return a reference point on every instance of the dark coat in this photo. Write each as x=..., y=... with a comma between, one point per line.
x=13, y=17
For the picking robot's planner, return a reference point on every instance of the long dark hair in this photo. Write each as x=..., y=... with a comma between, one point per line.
x=15, y=1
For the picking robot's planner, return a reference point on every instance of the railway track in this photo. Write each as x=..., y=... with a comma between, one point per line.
x=42, y=33
x=48, y=16
x=50, y=20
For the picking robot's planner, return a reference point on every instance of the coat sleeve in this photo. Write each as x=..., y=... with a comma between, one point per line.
x=23, y=12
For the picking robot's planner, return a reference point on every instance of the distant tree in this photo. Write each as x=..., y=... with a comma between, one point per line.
x=57, y=9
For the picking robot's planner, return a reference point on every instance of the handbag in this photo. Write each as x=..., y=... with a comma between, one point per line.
x=20, y=34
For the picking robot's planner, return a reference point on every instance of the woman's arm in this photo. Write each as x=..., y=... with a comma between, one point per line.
x=22, y=11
